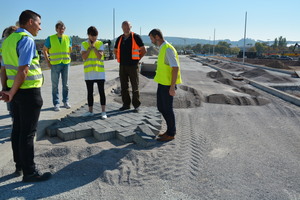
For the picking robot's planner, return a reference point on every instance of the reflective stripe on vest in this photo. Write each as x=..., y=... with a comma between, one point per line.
x=92, y=63
x=135, y=49
x=59, y=52
x=164, y=72
x=34, y=78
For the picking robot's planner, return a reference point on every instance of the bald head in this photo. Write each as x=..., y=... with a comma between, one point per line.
x=126, y=27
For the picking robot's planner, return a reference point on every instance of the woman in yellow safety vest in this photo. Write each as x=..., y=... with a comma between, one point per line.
x=92, y=52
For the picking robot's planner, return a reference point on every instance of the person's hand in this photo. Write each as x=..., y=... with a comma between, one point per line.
x=3, y=96
x=172, y=91
x=48, y=63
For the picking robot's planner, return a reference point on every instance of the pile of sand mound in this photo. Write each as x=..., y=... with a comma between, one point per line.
x=186, y=97
x=264, y=76
x=277, y=64
x=231, y=67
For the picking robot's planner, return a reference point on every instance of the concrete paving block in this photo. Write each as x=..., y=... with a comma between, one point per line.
x=68, y=121
x=104, y=123
x=153, y=122
x=126, y=136
x=120, y=129
x=145, y=129
x=143, y=140
x=104, y=134
x=123, y=123
x=153, y=129
x=52, y=129
x=82, y=131
x=129, y=120
x=66, y=134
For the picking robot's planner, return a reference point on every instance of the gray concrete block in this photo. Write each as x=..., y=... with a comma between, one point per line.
x=153, y=122
x=143, y=140
x=66, y=134
x=123, y=123
x=126, y=137
x=153, y=129
x=82, y=131
x=104, y=134
x=120, y=129
x=52, y=130
x=146, y=130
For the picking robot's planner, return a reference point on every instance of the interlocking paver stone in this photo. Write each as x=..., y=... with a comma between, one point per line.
x=126, y=126
x=126, y=136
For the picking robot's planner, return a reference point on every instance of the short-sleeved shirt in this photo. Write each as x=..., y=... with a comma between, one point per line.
x=1, y=62
x=126, y=49
x=48, y=45
x=26, y=49
x=170, y=58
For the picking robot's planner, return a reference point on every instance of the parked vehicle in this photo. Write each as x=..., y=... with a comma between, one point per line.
x=285, y=58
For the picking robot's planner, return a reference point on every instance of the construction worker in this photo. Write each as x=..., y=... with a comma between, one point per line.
x=23, y=80
x=6, y=33
x=57, y=49
x=167, y=76
x=129, y=49
x=92, y=52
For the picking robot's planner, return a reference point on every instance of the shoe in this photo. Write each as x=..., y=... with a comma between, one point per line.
x=67, y=105
x=136, y=110
x=165, y=138
x=87, y=114
x=163, y=134
x=56, y=107
x=124, y=108
x=36, y=177
x=103, y=115
x=18, y=172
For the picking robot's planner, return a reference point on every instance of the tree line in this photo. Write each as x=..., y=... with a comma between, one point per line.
x=224, y=48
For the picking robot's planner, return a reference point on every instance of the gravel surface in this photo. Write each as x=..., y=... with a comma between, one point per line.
x=223, y=150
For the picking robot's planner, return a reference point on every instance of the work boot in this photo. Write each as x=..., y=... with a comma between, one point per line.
x=36, y=177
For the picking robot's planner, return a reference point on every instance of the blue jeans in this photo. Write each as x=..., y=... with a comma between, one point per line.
x=56, y=70
x=165, y=106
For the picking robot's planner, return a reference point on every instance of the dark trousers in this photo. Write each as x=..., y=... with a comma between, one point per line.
x=90, y=93
x=165, y=106
x=26, y=106
x=131, y=73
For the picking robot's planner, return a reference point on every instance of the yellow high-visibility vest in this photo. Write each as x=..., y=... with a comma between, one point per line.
x=92, y=63
x=163, y=71
x=10, y=56
x=59, y=52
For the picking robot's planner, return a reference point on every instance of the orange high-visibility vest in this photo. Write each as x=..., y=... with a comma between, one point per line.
x=135, y=49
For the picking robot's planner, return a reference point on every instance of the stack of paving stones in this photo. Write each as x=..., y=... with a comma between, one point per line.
x=130, y=127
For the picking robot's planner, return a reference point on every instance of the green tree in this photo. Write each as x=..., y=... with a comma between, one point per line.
x=234, y=50
x=197, y=48
x=261, y=47
x=282, y=42
x=207, y=48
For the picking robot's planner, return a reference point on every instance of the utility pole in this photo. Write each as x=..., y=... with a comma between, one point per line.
x=214, y=41
x=114, y=27
x=245, y=38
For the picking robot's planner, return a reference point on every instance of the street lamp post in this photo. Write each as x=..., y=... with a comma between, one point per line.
x=245, y=38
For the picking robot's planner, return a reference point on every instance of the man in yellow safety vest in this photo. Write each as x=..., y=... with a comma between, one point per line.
x=57, y=49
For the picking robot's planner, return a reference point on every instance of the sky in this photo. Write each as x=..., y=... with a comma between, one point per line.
x=201, y=19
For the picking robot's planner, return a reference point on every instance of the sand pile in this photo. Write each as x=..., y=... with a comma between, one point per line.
x=246, y=97
x=186, y=97
x=264, y=76
x=277, y=64
x=231, y=67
